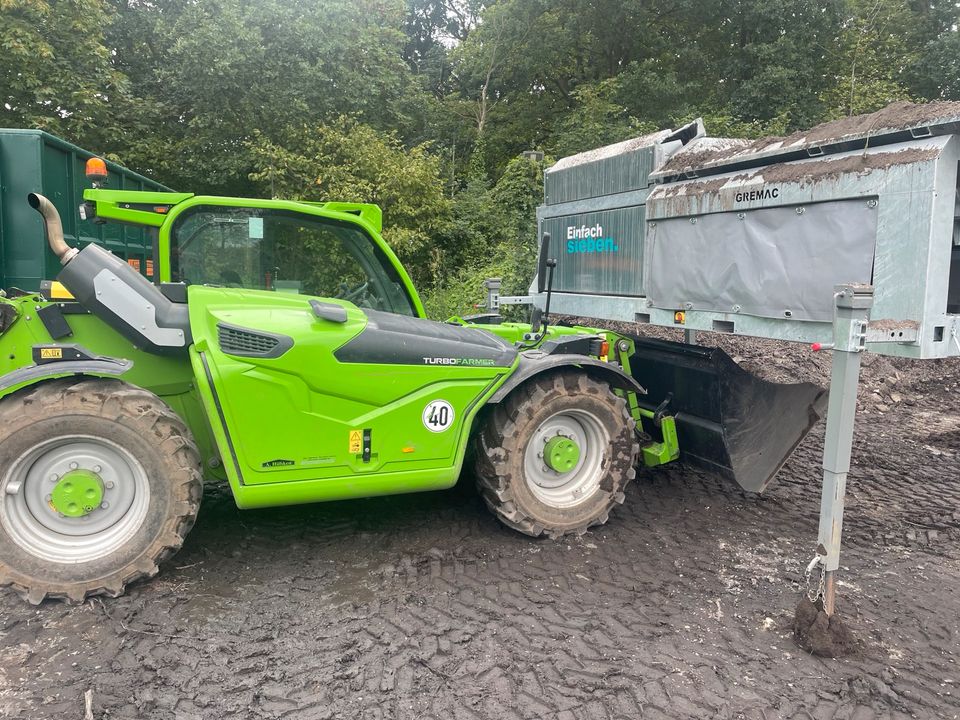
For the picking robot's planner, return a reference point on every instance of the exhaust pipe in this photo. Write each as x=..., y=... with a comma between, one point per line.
x=53, y=226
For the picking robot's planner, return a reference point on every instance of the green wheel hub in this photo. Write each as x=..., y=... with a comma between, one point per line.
x=561, y=454
x=77, y=493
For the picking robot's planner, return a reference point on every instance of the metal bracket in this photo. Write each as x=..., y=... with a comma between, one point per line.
x=893, y=331
x=516, y=300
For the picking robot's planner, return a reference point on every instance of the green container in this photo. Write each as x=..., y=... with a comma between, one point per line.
x=35, y=161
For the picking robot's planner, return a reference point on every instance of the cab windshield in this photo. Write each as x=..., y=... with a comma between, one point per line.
x=284, y=251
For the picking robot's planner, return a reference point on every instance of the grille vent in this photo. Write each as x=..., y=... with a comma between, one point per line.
x=250, y=343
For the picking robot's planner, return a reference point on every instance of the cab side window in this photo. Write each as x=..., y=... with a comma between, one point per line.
x=283, y=251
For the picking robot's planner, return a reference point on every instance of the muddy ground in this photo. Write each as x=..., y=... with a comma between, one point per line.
x=424, y=607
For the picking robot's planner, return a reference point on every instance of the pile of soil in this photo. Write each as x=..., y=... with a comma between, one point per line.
x=821, y=634
x=897, y=116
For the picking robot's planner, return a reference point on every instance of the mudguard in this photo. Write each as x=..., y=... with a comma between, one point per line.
x=534, y=362
x=97, y=366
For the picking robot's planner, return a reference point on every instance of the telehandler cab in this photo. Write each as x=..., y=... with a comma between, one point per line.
x=285, y=350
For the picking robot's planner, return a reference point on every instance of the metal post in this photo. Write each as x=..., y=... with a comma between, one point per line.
x=852, y=312
x=690, y=337
x=492, y=286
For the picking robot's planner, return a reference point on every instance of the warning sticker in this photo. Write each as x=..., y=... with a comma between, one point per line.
x=51, y=353
x=356, y=442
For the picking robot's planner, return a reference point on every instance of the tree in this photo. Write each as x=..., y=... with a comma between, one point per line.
x=55, y=69
x=212, y=75
x=348, y=161
x=870, y=58
x=495, y=235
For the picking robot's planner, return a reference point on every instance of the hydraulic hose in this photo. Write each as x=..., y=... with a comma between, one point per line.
x=53, y=226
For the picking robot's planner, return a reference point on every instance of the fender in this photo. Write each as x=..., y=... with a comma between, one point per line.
x=94, y=365
x=534, y=363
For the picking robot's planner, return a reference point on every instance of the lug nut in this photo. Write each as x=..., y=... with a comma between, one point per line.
x=73, y=466
x=104, y=505
x=109, y=486
x=97, y=468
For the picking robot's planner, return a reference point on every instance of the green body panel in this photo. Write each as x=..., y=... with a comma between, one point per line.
x=654, y=453
x=142, y=208
x=162, y=375
x=371, y=214
x=35, y=161
x=516, y=332
x=283, y=425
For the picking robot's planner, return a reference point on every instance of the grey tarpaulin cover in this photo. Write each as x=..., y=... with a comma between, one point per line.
x=768, y=261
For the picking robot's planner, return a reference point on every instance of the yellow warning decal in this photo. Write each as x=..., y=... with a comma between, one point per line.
x=680, y=317
x=59, y=292
x=51, y=353
x=356, y=441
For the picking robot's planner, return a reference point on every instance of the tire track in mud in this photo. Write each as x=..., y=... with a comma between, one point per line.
x=424, y=607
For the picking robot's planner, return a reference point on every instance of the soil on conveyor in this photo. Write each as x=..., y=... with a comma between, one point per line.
x=897, y=116
x=423, y=606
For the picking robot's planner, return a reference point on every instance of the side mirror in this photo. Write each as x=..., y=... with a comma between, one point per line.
x=542, y=262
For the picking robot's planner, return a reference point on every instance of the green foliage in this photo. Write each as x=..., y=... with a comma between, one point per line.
x=724, y=124
x=496, y=234
x=596, y=120
x=346, y=160
x=55, y=71
x=424, y=106
x=936, y=71
x=870, y=59
x=212, y=75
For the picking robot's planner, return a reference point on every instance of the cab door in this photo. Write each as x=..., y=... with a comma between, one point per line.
x=338, y=391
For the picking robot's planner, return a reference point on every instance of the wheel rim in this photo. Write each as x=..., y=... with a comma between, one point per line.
x=46, y=479
x=574, y=439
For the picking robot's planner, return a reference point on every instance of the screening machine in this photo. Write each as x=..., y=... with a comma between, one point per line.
x=846, y=236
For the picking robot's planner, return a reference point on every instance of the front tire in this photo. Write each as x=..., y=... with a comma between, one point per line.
x=99, y=483
x=556, y=456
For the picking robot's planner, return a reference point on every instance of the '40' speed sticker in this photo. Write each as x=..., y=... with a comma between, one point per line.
x=438, y=416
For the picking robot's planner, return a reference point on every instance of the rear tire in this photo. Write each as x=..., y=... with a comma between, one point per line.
x=516, y=482
x=146, y=478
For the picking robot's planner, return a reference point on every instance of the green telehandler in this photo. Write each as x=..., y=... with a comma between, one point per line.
x=284, y=349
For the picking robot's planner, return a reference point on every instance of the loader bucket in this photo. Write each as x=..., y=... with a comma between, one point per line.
x=727, y=418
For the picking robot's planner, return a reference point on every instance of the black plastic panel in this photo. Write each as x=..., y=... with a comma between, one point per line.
x=244, y=342
x=390, y=339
